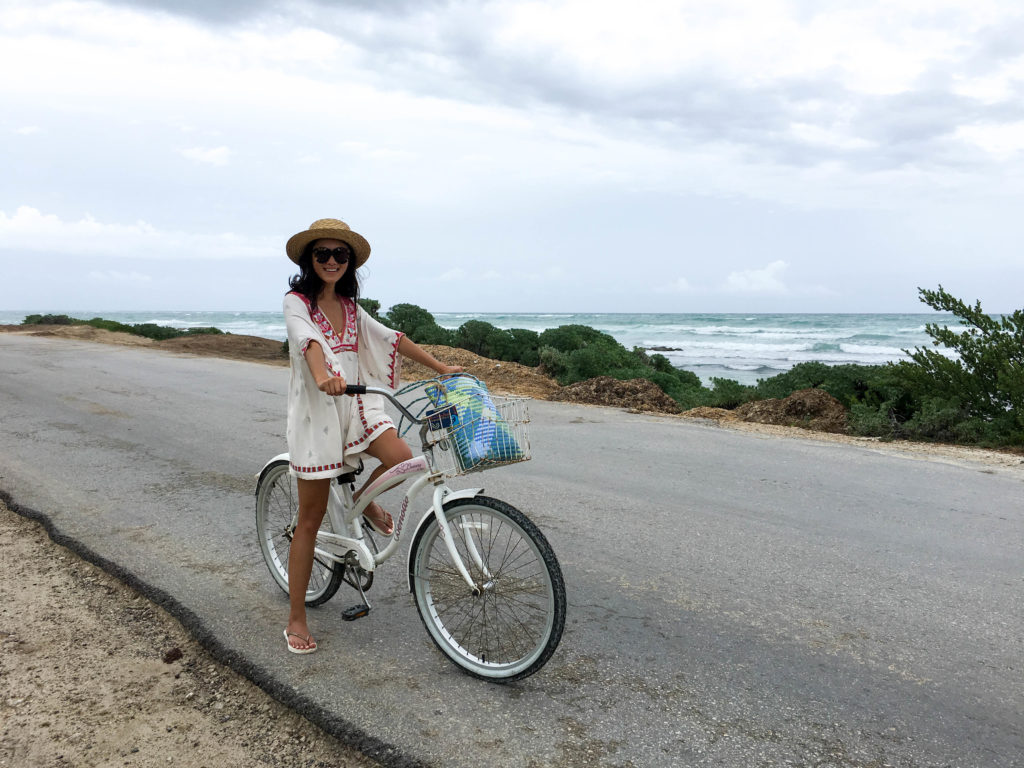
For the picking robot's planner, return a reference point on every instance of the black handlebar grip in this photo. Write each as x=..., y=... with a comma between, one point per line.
x=355, y=389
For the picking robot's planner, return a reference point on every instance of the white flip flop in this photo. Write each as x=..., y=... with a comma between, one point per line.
x=292, y=648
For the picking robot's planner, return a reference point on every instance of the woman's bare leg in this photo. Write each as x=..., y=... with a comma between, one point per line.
x=313, y=496
x=389, y=449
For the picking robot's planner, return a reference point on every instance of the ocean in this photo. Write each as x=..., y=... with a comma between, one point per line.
x=743, y=347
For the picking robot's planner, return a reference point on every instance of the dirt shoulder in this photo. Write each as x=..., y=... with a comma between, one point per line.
x=93, y=674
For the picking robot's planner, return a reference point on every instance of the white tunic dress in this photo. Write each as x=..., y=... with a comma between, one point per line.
x=327, y=434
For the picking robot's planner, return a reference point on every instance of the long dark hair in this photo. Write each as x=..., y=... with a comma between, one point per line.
x=309, y=284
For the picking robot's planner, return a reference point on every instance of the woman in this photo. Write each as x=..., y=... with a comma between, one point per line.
x=333, y=341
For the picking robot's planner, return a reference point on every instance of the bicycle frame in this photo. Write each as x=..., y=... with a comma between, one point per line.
x=345, y=514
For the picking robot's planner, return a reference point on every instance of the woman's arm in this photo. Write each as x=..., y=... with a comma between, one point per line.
x=408, y=348
x=325, y=381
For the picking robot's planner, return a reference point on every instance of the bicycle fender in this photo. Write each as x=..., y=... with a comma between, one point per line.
x=465, y=493
x=279, y=457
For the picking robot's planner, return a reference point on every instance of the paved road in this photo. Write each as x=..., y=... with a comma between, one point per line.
x=734, y=600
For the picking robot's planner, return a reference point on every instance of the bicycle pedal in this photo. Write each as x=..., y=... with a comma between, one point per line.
x=355, y=612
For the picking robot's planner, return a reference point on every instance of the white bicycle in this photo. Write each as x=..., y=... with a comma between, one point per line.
x=486, y=583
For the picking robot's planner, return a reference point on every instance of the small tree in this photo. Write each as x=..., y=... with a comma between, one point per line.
x=473, y=335
x=417, y=323
x=985, y=379
x=372, y=307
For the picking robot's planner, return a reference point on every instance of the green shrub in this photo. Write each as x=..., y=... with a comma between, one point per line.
x=727, y=393
x=416, y=323
x=50, y=320
x=869, y=420
x=567, y=338
x=553, y=362
x=149, y=330
x=572, y=353
x=472, y=335
x=372, y=307
x=202, y=330
x=593, y=361
x=682, y=390
x=517, y=344
x=848, y=384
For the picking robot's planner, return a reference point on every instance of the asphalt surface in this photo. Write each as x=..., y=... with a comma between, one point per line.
x=734, y=599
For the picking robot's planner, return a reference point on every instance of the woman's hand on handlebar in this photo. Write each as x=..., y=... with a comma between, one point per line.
x=332, y=385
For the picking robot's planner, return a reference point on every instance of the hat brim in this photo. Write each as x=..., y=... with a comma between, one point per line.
x=360, y=247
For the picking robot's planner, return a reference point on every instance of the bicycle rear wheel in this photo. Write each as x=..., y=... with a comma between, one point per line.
x=277, y=512
x=508, y=627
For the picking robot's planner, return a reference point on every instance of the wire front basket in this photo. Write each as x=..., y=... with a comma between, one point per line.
x=468, y=428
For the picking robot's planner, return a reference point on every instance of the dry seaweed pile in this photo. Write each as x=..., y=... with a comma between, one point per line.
x=808, y=408
x=638, y=395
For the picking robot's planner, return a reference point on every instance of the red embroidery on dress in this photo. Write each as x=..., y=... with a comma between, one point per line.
x=319, y=468
x=362, y=414
x=349, y=340
x=394, y=367
x=367, y=429
x=369, y=433
x=350, y=335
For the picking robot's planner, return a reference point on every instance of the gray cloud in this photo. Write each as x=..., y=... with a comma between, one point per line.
x=218, y=12
x=229, y=11
x=412, y=45
x=998, y=43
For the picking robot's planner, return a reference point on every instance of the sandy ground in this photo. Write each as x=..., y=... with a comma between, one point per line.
x=93, y=674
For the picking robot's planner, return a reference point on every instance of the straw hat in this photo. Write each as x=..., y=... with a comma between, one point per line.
x=329, y=229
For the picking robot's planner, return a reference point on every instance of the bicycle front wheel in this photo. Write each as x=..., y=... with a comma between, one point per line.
x=277, y=512
x=507, y=627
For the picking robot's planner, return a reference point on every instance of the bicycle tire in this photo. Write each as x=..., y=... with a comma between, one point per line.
x=277, y=511
x=507, y=629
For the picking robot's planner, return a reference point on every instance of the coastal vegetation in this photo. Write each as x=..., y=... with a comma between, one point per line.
x=149, y=330
x=972, y=392
x=967, y=388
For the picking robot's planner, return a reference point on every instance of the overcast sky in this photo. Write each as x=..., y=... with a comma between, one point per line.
x=577, y=155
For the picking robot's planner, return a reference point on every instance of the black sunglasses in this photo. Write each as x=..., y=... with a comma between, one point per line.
x=323, y=255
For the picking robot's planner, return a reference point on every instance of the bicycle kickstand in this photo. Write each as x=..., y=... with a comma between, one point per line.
x=356, y=611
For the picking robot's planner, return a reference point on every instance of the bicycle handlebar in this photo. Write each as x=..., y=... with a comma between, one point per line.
x=363, y=389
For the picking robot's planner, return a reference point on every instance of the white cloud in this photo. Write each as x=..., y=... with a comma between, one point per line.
x=211, y=155
x=29, y=229
x=1002, y=141
x=871, y=47
x=679, y=285
x=767, y=280
x=458, y=274
x=27, y=130
x=828, y=137
x=550, y=274
x=113, y=276
x=452, y=275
